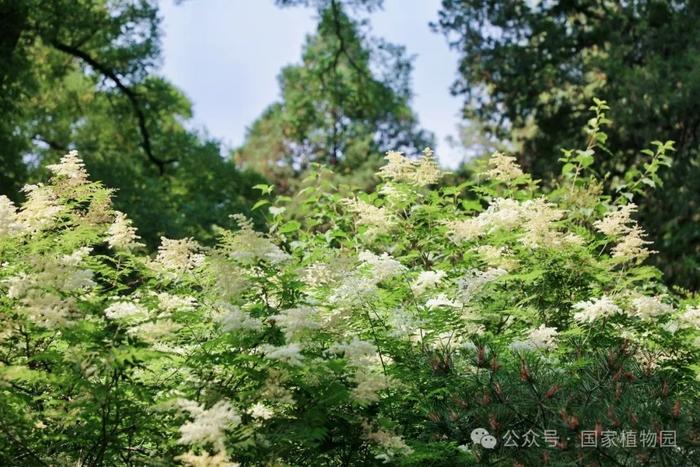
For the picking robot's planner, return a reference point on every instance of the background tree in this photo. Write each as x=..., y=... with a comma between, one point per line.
x=344, y=105
x=532, y=68
x=81, y=75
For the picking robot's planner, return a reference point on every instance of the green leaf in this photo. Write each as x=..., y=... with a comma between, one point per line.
x=261, y=202
x=290, y=226
x=264, y=189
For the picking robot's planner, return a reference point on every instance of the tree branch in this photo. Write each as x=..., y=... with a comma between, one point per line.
x=128, y=92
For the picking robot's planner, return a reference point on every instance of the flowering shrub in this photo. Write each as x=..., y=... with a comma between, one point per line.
x=384, y=327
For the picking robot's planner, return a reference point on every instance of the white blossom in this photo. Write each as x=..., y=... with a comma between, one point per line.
x=459, y=231
x=398, y=168
x=632, y=246
x=47, y=309
x=122, y=234
x=317, y=275
x=295, y=321
x=290, y=353
x=497, y=257
x=474, y=280
x=542, y=338
x=232, y=318
x=276, y=210
x=19, y=284
x=539, y=217
x=170, y=303
x=353, y=290
x=178, y=256
x=404, y=323
x=427, y=171
x=261, y=411
x=368, y=385
x=427, y=280
x=649, y=307
x=9, y=223
x=383, y=267
x=125, y=309
x=357, y=352
x=208, y=425
x=75, y=258
x=153, y=331
x=248, y=246
x=594, y=309
x=40, y=210
x=503, y=168
x=442, y=301
x=614, y=223
x=691, y=317
x=206, y=459
x=377, y=219
x=391, y=444
x=71, y=167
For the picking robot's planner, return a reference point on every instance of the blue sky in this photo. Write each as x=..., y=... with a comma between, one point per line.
x=226, y=55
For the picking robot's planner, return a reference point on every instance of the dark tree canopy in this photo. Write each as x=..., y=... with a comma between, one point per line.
x=529, y=70
x=82, y=75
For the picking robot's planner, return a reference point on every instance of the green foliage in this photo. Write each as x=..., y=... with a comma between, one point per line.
x=528, y=71
x=363, y=328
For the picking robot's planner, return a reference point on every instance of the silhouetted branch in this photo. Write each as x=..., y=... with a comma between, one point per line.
x=128, y=92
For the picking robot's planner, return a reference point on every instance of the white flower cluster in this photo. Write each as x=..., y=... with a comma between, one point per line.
x=261, y=411
x=353, y=290
x=691, y=317
x=619, y=223
x=178, y=256
x=369, y=383
x=47, y=309
x=503, y=168
x=423, y=172
x=595, y=309
x=536, y=217
x=232, y=318
x=295, y=321
x=122, y=234
x=474, y=280
x=248, y=246
x=632, y=247
x=383, y=267
x=71, y=168
x=442, y=301
x=650, y=307
x=368, y=377
x=154, y=331
x=539, y=217
x=502, y=213
x=497, y=257
x=170, y=303
x=614, y=223
x=125, y=309
x=542, y=338
x=205, y=459
x=208, y=425
x=9, y=224
x=391, y=444
x=357, y=352
x=289, y=353
x=427, y=280
x=377, y=219
x=41, y=292
x=357, y=286
x=40, y=210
